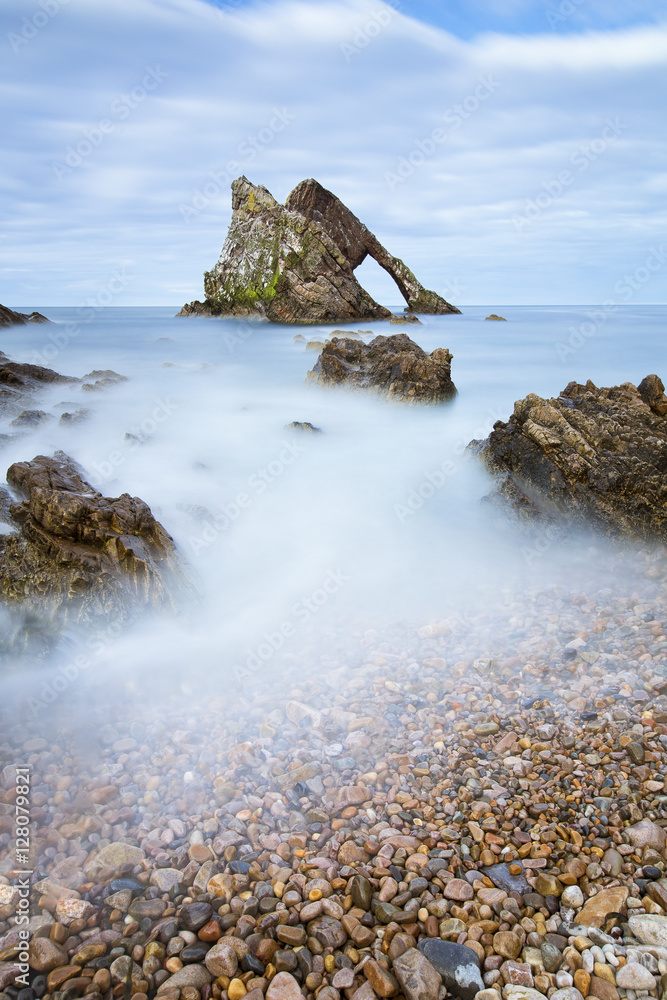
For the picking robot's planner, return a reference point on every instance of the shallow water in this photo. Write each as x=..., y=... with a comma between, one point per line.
x=286, y=534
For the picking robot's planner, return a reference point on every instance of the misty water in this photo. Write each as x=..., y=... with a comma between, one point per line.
x=288, y=534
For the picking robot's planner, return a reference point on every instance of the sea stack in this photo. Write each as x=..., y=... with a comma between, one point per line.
x=295, y=263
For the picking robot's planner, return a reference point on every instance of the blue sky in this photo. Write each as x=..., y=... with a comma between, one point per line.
x=510, y=151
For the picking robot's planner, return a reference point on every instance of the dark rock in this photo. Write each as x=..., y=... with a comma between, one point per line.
x=407, y=318
x=19, y=383
x=458, y=966
x=394, y=366
x=78, y=554
x=76, y=417
x=192, y=916
x=96, y=380
x=652, y=391
x=501, y=877
x=10, y=318
x=298, y=425
x=295, y=263
x=194, y=952
x=31, y=418
x=551, y=956
x=361, y=891
x=597, y=455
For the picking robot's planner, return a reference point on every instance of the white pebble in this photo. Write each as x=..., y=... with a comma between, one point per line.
x=563, y=979
x=572, y=896
x=598, y=954
x=587, y=961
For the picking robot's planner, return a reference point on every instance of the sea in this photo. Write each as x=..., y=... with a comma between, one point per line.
x=290, y=535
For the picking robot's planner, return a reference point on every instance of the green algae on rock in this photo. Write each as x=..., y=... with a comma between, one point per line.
x=295, y=263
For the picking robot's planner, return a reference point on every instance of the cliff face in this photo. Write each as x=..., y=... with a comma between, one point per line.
x=294, y=263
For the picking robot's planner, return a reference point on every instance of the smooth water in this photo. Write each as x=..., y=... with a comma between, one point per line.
x=378, y=518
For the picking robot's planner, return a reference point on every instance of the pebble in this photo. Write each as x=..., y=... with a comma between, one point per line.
x=635, y=977
x=495, y=818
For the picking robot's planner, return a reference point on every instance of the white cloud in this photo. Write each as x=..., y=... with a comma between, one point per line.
x=357, y=87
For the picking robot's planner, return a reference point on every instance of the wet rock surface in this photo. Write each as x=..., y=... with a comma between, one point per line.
x=598, y=455
x=294, y=263
x=393, y=366
x=77, y=555
x=8, y=317
x=305, y=833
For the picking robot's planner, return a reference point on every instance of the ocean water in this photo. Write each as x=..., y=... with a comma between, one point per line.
x=380, y=518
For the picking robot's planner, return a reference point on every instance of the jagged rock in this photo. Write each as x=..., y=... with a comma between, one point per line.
x=495, y=316
x=394, y=366
x=303, y=425
x=76, y=417
x=79, y=554
x=19, y=383
x=652, y=391
x=31, y=418
x=10, y=318
x=598, y=455
x=295, y=263
x=407, y=318
x=101, y=380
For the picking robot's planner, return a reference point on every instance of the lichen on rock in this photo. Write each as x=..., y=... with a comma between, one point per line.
x=295, y=263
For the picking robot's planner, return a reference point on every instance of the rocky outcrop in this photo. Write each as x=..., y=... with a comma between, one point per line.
x=77, y=555
x=357, y=242
x=394, y=366
x=598, y=455
x=294, y=263
x=10, y=318
x=19, y=382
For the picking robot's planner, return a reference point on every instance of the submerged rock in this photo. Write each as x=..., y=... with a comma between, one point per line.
x=303, y=425
x=79, y=554
x=595, y=454
x=295, y=263
x=10, y=318
x=394, y=366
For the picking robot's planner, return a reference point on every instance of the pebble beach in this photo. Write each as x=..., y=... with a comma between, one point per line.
x=469, y=807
